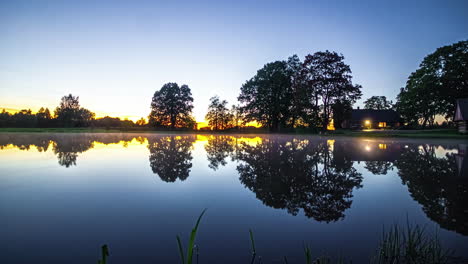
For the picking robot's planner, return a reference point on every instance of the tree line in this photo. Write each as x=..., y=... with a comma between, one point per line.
x=69, y=114
x=285, y=95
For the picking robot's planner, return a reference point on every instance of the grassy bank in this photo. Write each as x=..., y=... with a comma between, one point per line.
x=429, y=133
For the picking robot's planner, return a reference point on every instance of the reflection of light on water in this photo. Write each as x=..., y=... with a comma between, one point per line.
x=331, y=144
x=382, y=146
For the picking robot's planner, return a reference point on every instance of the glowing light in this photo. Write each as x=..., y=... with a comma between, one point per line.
x=368, y=148
x=367, y=122
x=382, y=146
x=331, y=125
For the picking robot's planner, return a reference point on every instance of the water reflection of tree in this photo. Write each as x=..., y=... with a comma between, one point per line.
x=218, y=148
x=299, y=174
x=378, y=167
x=67, y=147
x=434, y=182
x=171, y=156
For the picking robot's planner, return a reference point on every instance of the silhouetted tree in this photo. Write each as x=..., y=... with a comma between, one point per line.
x=23, y=118
x=44, y=118
x=171, y=157
x=70, y=114
x=434, y=87
x=378, y=103
x=328, y=80
x=170, y=105
x=219, y=117
x=141, y=122
x=5, y=118
x=267, y=97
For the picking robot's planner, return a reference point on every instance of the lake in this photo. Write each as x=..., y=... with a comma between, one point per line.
x=64, y=195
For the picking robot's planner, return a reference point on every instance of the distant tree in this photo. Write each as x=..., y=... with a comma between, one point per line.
x=44, y=118
x=141, y=122
x=434, y=87
x=24, y=118
x=219, y=117
x=170, y=105
x=378, y=103
x=70, y=114
x=5, y=118
x=328, y=80
x=266, y=97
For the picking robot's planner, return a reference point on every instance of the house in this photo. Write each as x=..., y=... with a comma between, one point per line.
x=461, y=115
x=368, y=118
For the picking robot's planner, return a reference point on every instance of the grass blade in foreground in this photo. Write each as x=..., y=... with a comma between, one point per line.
x=191, y=244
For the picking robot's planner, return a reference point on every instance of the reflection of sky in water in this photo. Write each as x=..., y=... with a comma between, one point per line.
x=88, y=189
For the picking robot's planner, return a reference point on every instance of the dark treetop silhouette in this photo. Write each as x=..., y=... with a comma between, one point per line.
x=172, y=106
x=435, y=86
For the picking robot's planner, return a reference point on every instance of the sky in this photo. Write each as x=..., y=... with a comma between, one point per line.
x=115, y=54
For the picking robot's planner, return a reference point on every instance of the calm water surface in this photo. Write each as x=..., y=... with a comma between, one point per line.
x=64, y=195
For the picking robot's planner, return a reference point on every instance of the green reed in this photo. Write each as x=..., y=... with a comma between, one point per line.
x=398, y=245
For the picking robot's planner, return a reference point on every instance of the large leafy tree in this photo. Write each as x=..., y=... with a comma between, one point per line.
x=219, y=117
x=266, y=97
x=442, y=77
x=328, y=82
x=378, y=103
x=70, y=114
x=171, y=106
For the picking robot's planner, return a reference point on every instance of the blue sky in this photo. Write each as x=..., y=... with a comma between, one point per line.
x=116, y=54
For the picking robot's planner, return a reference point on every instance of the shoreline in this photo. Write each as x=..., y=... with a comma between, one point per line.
x=428, y=134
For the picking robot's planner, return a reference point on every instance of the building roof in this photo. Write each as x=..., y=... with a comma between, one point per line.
x=461, y=113
x=375, y=115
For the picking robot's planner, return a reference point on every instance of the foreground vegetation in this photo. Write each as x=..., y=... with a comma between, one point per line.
x=405, y=245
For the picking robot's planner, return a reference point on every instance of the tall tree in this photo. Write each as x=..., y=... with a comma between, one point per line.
x=70, y=114
x=328, y=80
x=266, y=97
x=378, y=103
x=170, y=106
x=218, y=116
x=442, y=77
